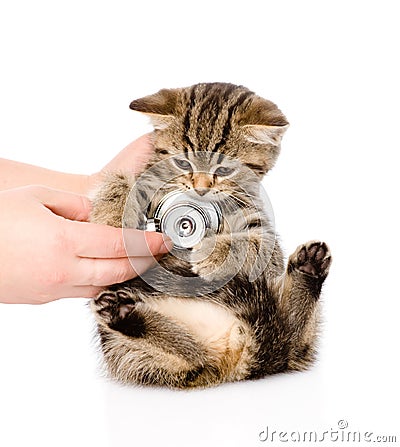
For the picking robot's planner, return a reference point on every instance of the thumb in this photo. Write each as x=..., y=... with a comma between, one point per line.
x=65, y=204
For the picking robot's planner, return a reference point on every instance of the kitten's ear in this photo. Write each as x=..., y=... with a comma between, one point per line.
x=263, y=122
x=160, y=107
x=260, y=134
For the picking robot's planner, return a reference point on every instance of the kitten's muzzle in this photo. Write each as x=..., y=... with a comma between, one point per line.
x=185, y=218
x=202, y=191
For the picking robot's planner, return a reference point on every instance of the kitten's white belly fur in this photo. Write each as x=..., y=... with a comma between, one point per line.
x=208, y=322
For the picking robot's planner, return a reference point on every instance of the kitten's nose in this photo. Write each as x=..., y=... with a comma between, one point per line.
x=202, y=191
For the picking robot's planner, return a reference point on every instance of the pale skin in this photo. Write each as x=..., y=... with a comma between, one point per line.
x=49, y=250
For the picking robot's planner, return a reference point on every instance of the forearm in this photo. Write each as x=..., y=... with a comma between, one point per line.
x=14, y=174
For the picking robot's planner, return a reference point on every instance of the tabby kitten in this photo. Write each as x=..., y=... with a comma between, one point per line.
x=227, y=309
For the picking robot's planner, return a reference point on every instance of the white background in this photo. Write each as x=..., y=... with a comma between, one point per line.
x=68, y=72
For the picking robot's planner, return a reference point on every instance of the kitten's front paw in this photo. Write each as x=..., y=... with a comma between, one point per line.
x=312, y=258
x=208, y=258
x=112, y=305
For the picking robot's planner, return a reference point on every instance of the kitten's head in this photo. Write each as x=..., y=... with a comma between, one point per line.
x=207, y=132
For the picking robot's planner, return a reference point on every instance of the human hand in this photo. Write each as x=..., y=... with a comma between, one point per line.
x=133, y=158
x=48, y=250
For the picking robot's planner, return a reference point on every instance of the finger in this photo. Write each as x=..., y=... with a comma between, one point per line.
x=141, y=151
x=65, y=204
x=103, y=272
x=85, y=292
x=72, y=292
x=145, y=243
x=133, y=157
x=102, y=241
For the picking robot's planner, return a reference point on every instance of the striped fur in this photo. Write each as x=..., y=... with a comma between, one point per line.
x=228, y=309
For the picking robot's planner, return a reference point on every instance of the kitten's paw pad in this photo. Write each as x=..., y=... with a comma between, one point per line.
x=313, y=259
x=113, y=305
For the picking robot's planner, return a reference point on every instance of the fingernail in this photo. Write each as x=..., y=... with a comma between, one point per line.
x=166, y=246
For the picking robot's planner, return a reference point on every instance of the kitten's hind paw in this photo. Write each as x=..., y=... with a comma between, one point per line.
x=312, y=258
x=113, y=305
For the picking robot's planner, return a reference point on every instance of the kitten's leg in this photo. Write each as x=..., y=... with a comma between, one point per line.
x=251, y=254
x=300, y=290
x=113, y=202
x=142, y=346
